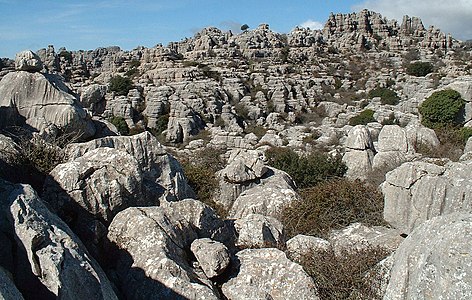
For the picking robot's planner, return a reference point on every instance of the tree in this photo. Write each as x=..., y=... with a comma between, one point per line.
x=442, y=108
x=244, y=27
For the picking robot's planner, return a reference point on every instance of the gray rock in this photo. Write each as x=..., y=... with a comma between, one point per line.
x=267, y=197
x=359, y=138
x=162, y=174
x=28, y=61
x=92, y=97
x=46, y=100
x=434, y=262
x=392, y=138
x=8, y=290
x=257, y=231
x=268, y=274
x=152, y=260
x=212, y=256
x=55, y=255
x=418, y=191
x=244, y=165
x=359, y=163
x=301, y=245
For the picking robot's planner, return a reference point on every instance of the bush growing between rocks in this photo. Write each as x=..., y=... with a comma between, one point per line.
x=419, y=69
x=451, y=143
x=120, y=85
x=387, y=96
x=333, y=205
x=343, y=276
x=306, y=170
x=365, y=117
x=120, y=124
x=442, y=108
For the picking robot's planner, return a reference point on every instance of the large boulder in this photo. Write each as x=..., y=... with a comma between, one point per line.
x=301, y=245
x=418, y=191
x=268, y=274
x=360, y=152
x=28, y=61
x=163, y=176
x=434, y=262
x=151, y=250
x=50, y=261
x=42, y=100
x=244, y=165
x=258, y=231
x=212, y=256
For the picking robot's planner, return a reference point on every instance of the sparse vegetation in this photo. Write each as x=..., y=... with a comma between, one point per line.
x=387, y=96
x=419, y=69
x=120, y=85
x=120, y=124
x=442, y=108
x=306, y=170
x=365, y=117
x=452, y=141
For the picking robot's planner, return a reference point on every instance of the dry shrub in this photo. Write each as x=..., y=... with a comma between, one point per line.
x=345, y=275
x=333, y=205
x=200, y=171
x=452, y=141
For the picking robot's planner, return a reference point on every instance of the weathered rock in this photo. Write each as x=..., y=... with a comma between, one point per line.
x=267, y=197
x=358, y=236
x=28, y=61
x=244, y=165
x=212, y=256
x=8, y=290
x=93, y=98
x=56, y=256
x=359, y=139
x=392, y=138
x=301, y=245
x=257, y=231
x=358, y=163
x=434, y=261
x=152, y=261
x=268, y=274
x=46, y=100
x=418, y=191
x=162, y=175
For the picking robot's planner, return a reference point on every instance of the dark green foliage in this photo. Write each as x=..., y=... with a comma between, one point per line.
x=346, y=275
x=201, y=175
x=120, y=124
x=306, y=170
x=366, y=116
x=333, y=205
x=67, y=55
x=162, y=123
x=120, y=85
x=419, y=69
x=244, y=27
x=387, y=96
x=442, y=108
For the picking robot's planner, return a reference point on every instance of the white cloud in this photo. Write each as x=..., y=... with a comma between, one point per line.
x=314, y=25
x=450, y=16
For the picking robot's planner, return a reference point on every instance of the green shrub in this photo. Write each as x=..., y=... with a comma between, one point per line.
x=200, y=171
x=332, y=205
x=419, y=69
x=346, y=275
x=442, y=108
x=306, y=170
x=120, y=124
x=387, y=96
x=365, y=117
x=120, y=85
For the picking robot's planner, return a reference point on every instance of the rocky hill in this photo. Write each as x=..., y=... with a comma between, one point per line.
x=208, y=168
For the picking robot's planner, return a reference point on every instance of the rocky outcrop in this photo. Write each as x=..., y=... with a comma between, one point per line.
x=434, y=261
x=28, y=61
x=151, y=250
x=268, y=274
x=418, y=191
x=50, y=261
x=212, y=256
x=257, y=231
x=302, y=245
x=360, y=152
x=45, y=101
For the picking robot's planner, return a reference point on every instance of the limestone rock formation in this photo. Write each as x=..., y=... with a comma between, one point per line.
x=268, y=274
x=50, y=259
x=257, y=231
x=418, y=191
x=28, y=61
x=360, y=152
x=434, y=261
x=301, y=245
x=212, y=256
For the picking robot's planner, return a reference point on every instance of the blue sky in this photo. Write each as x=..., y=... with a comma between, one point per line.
x=34, y=24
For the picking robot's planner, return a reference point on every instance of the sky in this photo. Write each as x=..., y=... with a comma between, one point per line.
x=89, y=24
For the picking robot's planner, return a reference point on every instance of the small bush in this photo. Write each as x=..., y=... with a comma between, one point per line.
x=306, y=170
x=333, y=205
x=451, y=143
x=201, y=175
x=419, y=69
x=345, y=275
x=442, y=108
x=120, y=124
x=120, y=85
x=365, y=117
x=387, y=96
